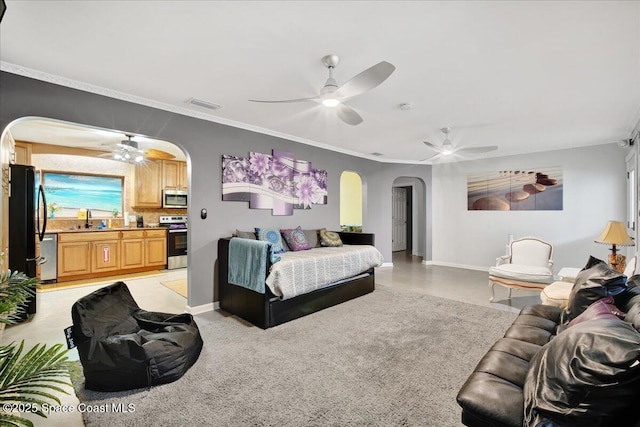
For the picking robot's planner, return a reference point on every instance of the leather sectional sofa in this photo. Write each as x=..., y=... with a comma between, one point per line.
x=578, y=366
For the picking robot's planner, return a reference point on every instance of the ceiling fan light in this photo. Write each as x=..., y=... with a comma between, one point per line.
x=330, y=102
x=117, y=156
x=139, y=158
x=447, y=149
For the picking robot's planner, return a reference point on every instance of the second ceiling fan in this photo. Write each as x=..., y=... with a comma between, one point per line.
x=334, y=96
x=447, y=148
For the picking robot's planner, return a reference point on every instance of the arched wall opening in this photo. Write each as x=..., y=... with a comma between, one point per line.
x=351, y=201
x=71, y=149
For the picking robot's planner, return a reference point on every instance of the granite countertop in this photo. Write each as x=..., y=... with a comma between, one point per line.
x=90, y=230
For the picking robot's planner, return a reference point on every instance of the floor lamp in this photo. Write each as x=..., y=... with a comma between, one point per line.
x=615, y=234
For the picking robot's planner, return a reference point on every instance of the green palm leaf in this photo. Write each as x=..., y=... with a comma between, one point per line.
x=30, y=378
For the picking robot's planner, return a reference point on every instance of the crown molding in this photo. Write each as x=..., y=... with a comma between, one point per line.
x=99, y=90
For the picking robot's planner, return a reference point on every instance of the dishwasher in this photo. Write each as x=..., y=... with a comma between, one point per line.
x=49, y=251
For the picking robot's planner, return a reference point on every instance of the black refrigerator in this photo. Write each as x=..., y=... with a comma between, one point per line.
x=27, y=220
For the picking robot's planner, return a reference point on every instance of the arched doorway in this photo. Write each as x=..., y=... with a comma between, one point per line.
x=82, y=152
x=409, y=216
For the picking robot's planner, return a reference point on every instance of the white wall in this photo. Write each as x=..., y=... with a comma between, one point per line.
x=594, y=193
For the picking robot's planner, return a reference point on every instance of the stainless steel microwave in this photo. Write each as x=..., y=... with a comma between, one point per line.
x=174, y=199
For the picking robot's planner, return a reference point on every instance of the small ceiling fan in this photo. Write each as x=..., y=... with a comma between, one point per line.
x=128, y=151
x=447, y=148
x=332, y=96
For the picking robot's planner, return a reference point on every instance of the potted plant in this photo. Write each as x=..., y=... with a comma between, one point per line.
x=53, y=207
x=31, y=380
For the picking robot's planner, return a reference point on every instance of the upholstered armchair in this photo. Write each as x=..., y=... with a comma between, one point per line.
x=528, y=266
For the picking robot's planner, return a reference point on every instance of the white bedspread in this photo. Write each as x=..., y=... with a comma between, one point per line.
x=301, y=272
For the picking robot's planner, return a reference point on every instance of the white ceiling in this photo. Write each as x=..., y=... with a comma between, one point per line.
x=525, y=76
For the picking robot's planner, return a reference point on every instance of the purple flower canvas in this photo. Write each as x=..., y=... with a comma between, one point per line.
x=278, y=182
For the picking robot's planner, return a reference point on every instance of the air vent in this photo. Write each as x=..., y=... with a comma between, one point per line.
x=203, y=104
x=377, y=154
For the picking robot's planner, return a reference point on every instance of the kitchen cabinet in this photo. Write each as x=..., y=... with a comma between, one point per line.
x=148, y=185
x=174, y=175
x=89, y=254
x=155, y=248
x=105, y=255
x=23, y=153
x=132, y=249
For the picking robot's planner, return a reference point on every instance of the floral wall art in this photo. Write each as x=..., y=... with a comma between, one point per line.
x=278, y=182
x=538, y=189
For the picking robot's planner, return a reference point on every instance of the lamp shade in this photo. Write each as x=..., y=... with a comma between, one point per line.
x=615, y=233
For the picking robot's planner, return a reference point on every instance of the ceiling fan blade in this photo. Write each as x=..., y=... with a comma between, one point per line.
x=430, y=157
x=366, y=80
x=432, y=146
x=349, y=115
x=477, y=149
x=314, y=98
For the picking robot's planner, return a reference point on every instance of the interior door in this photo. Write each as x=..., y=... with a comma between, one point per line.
x=399, y=219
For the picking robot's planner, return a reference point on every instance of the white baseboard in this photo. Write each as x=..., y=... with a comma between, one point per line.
x=386, y=264
x=199, y=309
x=456, y=265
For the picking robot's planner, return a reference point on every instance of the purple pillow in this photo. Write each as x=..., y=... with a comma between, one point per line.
x=602, y=309
x=296, y=239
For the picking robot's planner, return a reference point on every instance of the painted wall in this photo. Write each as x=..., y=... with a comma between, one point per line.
x=205, y=142
x=350, y=199
x=594, y=193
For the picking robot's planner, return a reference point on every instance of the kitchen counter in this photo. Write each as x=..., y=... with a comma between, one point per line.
x=89, y=230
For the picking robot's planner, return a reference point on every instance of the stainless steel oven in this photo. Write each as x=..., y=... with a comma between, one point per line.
x=174, y=199
x=176, y=240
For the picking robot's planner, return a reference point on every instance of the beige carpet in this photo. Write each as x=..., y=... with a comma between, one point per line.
x=179, y=286
x=389, y=358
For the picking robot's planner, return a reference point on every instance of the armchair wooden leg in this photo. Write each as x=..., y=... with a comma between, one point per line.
x=493, y=294
x=509, y=293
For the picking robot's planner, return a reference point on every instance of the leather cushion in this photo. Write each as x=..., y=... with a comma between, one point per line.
x=596, y=281
x=601, y=309
x=586, y=376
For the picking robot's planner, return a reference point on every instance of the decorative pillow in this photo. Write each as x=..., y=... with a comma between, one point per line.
x=601, y=309
x=312, y=238
x=295, y=238
x=246, y=234
x=329, y=238
x=597, y=280
x=586, y=376
x=272, y=236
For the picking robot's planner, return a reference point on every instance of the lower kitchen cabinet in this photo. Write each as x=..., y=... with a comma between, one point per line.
x=101, y=253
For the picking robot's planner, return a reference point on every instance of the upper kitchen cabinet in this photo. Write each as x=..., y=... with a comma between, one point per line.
x=148, y=185
x=174, y=175
x=23, y=153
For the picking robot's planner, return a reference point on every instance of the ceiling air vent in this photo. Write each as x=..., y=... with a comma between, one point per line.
x=203, y=104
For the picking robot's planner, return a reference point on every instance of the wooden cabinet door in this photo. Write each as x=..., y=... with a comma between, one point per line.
x=74, y=258
x=23, y=153
x=148, y=185
x=155, y=251
x=132, y=253
x=174, y=175
x=105, y=256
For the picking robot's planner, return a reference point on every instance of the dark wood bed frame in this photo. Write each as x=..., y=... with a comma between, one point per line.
x=267, y=310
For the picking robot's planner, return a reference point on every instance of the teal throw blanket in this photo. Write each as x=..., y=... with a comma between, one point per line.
x=248, y=263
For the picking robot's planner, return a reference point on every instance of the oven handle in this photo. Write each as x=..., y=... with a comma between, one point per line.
x=178, y=231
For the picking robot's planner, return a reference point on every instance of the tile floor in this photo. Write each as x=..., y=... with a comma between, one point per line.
x=54, y=307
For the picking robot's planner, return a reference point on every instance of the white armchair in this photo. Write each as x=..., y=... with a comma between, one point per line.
x=528, y=266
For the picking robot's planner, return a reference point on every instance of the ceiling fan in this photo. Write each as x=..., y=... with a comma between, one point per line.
x=332, y=96
x=447, y=148
x=128, y=151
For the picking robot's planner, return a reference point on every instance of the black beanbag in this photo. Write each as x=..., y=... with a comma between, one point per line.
x=122, y=347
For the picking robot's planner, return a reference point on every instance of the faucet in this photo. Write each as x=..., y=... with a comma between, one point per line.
x=86, y=223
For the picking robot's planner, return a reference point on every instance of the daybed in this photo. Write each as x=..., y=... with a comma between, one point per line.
x=267, y=309
x=578, y=366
